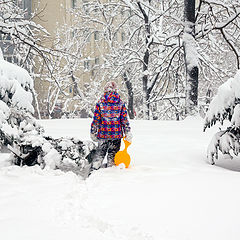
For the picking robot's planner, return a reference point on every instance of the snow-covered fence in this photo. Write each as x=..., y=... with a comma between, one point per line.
x=225, y=106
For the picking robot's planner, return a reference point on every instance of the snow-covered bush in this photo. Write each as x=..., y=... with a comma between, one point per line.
x=67, y=154
x=225, y=106
x=22, y=134
x=16, y=87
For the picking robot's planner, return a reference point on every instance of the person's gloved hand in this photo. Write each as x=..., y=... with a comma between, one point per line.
x=129, y=137
x=94, y=137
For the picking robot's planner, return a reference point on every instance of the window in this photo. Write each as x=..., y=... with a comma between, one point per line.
x=96, y=35
x=8, y=58
x=74, y=3
x=122, y=11
x=75, y=90
x=123, y=36
x=8, y=37
x=85, y=6
x=86, y=65
x=19, y=3
x=126, y=12
x=96, y=61
x=87, y=35
x=27, y=5
x=74, y=33
x=15, y=60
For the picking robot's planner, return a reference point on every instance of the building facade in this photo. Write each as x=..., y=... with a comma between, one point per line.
x=52, y=101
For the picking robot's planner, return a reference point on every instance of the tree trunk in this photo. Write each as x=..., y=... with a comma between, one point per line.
x=146, y=94
x=130, y=95
x=191, y=59
x=145, y=79
x=37, y=113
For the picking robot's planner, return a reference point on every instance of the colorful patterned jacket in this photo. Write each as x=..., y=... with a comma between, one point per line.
x=110, y=117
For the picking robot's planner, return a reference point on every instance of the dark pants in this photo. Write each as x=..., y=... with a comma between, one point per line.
x=109, y=147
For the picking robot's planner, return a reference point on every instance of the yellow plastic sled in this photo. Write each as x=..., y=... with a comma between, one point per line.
x=123, y=156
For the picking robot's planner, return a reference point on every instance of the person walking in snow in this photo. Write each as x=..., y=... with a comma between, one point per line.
x=110, y=123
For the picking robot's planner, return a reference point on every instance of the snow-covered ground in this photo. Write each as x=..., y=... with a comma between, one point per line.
x=168, y=193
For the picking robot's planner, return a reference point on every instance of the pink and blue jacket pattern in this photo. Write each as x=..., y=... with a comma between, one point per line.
x=110, y=117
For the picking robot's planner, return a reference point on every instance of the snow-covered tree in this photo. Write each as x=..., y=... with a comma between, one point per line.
x=22, y=134
x=217, y=34
x=69, y=67
x=225, y=107
x=132, y=45
x=140, y=48
x=142, y=43
x=21, y=36
x=15, y=99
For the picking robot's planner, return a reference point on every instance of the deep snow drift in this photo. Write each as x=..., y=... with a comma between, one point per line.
x=169, y=192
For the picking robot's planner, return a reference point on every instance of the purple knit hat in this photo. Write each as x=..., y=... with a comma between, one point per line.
x=110, y=87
